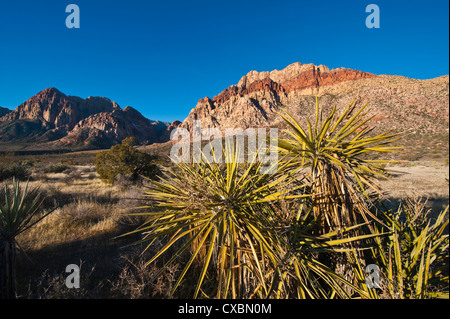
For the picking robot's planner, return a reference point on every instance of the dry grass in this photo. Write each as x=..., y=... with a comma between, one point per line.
x=82, y=230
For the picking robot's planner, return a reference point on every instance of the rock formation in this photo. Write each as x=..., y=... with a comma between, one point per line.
x=417, y=108
x=66, y=120
x=406, y=105
x=4, y=111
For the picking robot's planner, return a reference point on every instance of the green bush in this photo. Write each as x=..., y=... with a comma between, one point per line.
x=57, y=168
x=124, y=159
x=18, y=170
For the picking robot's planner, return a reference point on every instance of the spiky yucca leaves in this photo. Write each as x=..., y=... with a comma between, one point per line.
x=20, y=209
x=221, y=215
x=413, y=260
x=299, y=273
x=333, y=150
x=240, y=240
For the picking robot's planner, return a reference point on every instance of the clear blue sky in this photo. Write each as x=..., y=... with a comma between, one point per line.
x=161, y=57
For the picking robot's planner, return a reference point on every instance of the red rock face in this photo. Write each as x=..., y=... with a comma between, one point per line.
x=260, y=85
x=258, y=94
x=312, y=78
x=315, y=79
x=397, y=103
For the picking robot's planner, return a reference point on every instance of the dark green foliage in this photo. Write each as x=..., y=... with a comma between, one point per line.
x=11, y=169
x=20, y=209
x=124, y=159
x=57, y=168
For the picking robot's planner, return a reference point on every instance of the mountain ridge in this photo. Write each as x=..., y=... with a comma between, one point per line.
x=417, y=108
x=4, y=111
x=389, y=95
x=57, y=119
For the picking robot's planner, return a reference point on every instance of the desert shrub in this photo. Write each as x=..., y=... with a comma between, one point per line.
x=335, y=151
x=75, y=174
x=136, y=281
x=57, y=168
x=124, y=159
x=91, y=176
x=68, y=180
x=88, y=211
x=8, y=170
x=240, y=241
x=52, y=285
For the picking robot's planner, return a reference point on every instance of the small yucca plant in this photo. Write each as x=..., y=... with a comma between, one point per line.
x=20, y=209
x=414, y=259
x=300, y=274
x=334, y=151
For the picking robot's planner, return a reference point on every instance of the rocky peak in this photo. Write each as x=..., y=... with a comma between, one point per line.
x=289, y=73
x=54, y=109
x=132, y=111
x=94, y=122
x=109, y=128
x=50, y=91
x=419, y=107
x=258, y=94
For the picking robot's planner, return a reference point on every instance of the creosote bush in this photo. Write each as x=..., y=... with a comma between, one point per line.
x=20, y=171
x=124, y=159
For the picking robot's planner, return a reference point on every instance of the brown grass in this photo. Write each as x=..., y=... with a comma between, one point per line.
x=83, y=230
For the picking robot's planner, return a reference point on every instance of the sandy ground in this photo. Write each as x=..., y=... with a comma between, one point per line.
x=425, y=179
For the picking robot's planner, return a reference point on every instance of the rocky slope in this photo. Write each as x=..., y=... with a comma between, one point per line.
x=4, y=111
x=106, y=128
x=52, y=116
x=258, y=94
x=417, y=108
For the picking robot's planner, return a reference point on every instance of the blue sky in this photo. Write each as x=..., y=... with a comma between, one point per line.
x=162, y=57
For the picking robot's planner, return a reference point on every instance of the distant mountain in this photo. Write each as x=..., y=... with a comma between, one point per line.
x=417, y=108
x=4, y=111
x=94, y=122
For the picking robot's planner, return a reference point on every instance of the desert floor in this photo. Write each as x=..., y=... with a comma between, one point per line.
x=429, y=180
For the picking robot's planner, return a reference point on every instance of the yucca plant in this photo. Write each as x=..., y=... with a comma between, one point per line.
x=414, y=259
x=334, y=152
x=241, y=233
x=20, y=209
x=300, y=274
x=222, y=216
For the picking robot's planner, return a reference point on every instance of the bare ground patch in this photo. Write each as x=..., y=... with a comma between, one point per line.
x=428, y=180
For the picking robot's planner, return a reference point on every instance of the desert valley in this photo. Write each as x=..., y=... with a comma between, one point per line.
x=52, y=139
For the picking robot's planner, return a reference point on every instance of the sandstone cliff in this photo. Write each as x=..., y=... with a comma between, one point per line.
x=52, y=116
x=417, y=109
